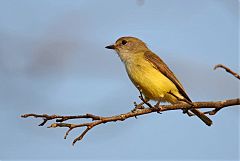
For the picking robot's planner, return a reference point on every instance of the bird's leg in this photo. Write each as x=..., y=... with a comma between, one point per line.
x=146, y=99
x=157, y=106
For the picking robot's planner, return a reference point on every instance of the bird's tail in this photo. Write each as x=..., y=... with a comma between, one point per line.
x=202, y=116
x=197, y=112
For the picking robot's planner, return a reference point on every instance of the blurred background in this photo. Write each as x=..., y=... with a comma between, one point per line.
x=53, y=60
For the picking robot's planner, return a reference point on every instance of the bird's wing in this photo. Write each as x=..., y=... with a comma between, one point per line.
x=163, y=68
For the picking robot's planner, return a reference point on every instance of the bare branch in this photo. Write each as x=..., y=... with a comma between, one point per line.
x=227, y=70
x=59, y=118
x=96, y=120
x=137, y=111
x=80, y=137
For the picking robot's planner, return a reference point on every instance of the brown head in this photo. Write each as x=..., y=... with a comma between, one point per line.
x=125, y=46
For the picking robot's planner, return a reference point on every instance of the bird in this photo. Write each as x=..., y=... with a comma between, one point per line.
x=151, y=75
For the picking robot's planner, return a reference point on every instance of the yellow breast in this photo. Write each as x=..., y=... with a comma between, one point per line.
x=153, y=83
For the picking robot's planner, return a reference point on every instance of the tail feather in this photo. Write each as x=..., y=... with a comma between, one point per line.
x=186, y=99
x=198, y=113
x=202, y=116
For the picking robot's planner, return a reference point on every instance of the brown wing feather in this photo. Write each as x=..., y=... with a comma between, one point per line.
x=163, y=68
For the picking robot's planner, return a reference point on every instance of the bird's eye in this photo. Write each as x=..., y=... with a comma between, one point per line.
x=124, y=42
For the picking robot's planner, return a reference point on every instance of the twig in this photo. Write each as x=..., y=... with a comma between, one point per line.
x=97, y=120
x=59, y=118
x=227, y=70
x=211, y=112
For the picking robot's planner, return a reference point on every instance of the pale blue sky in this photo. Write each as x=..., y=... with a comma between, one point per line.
x=53, y=60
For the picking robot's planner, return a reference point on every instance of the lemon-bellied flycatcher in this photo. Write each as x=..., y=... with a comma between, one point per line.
x=149, y=73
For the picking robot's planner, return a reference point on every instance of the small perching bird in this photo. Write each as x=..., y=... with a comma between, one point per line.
x=151, y=75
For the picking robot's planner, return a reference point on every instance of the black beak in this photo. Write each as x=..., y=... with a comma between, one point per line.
x=110, y=47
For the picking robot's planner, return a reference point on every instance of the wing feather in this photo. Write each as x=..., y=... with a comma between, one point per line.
x=163, y=68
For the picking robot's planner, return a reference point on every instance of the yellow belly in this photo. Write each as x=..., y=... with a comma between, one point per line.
x=154, y=84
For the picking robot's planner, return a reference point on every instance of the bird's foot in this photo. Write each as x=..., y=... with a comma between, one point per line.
x=158, y=107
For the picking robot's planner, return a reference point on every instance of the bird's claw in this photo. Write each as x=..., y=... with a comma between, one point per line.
x=157, y=106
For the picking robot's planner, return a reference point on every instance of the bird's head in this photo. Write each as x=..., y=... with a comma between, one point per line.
x=127, y=46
